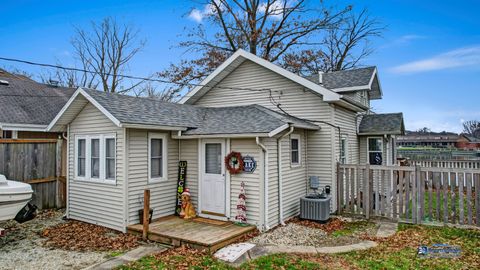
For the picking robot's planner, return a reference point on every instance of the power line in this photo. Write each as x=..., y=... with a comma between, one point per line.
x=129, y=76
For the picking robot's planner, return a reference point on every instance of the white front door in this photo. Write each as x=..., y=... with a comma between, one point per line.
x=213, y=178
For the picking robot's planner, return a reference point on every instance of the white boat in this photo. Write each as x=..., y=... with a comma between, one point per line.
x=13, y=197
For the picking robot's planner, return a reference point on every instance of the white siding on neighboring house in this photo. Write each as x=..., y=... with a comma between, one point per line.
x=96, y=203
x=294, y=99
x=162, y=193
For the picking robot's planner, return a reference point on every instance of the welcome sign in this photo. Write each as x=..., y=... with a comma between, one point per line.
x=182, y=174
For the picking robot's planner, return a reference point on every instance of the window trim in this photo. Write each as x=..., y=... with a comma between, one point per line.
x=88, y=158
x=299, y=163
x=368, y=148
x=164, y=176
x=104, y=140
x=343, y=137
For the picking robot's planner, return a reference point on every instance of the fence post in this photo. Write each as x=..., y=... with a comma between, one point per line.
x=368, y=194
x=58, y=172
x=419, y=197
x=339, y=189
x=146, y=213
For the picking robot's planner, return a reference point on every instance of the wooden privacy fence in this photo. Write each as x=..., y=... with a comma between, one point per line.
x=410, y=194
x=38, y=162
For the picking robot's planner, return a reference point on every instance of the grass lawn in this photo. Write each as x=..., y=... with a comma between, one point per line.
x=396, y=252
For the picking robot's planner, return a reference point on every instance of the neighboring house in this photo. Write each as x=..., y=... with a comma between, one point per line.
x=27, y=107
x=292, y=126
x=431, y=139
x=468, y=142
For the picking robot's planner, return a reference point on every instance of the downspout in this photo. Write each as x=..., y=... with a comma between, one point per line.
x=280, y=180
x=265, y=179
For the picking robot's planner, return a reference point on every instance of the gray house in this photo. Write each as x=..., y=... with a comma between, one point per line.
x=293, y=127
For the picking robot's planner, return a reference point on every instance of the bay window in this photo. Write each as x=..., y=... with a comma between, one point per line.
x=95, y=157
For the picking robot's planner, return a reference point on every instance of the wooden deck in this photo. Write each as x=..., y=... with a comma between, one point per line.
x=198, y=233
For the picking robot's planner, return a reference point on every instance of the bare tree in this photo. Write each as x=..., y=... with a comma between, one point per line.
x=106, y=49
x=343, y=47
x=71, y=78
x=269, y=29
x=472, y=128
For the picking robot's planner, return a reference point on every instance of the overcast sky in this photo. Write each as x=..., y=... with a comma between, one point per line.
x=428, y=59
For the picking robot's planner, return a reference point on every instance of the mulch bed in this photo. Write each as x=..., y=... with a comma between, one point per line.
x=80, y=236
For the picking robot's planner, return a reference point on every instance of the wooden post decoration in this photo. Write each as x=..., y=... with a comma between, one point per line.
x=146, y=212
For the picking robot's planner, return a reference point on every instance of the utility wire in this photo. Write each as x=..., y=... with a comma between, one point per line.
x=129, y=76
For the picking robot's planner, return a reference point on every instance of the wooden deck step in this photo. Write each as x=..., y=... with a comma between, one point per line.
x=199, y=234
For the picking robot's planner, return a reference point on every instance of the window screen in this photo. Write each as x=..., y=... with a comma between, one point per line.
x=213, y=158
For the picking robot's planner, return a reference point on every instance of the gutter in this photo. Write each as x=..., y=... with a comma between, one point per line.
x=265, y=179
x=280, y=180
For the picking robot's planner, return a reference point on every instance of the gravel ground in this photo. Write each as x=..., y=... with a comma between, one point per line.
x=291, y=235
x=294, y=234
x=22, y=247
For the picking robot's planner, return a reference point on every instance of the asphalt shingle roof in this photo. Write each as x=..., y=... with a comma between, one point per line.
x=25, y=101
x=377, y=124
x=198, y=120
x=345, y=78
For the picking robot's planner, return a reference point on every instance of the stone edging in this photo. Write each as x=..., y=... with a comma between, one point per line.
x=320, y=250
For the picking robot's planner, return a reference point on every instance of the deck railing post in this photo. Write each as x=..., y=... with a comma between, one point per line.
x=146, y=213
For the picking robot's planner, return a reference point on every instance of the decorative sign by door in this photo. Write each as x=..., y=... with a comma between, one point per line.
x=182, y=174
x=249, y=164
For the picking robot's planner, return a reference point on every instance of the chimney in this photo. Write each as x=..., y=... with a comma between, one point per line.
x=320, y=77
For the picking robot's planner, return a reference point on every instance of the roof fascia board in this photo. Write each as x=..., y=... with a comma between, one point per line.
x=328, y=95
x=101, y=108
x=379, y=133
x=63, y=110
x=210, y=77
x=91, y=100
x=351, y=106
x=278, y=130
x=353, y=88
x=23, y=127
x=153, y=127
x=246, y=135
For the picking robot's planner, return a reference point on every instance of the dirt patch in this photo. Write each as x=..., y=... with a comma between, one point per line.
x=332, y=225
x=80, y=236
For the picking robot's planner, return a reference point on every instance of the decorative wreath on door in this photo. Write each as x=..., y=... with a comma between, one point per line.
x=234, y=162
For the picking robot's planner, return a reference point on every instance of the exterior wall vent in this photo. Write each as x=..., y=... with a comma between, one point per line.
x=4, y=82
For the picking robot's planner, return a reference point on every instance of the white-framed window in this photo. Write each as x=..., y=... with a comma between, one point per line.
x=95, y=158
x=157, y=157
x=374, y=149
x=295, y=150
x=344, y=149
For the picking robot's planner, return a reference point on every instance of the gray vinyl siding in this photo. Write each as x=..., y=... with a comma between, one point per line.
x=295, y=178
x=162, y=193
x=189, y=152
x=294, y=99
x=357, y=96
x=96, y=203
x=253, y=182
x=346, y=120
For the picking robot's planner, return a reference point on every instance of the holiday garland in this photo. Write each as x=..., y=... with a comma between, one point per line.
x=234, y=162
